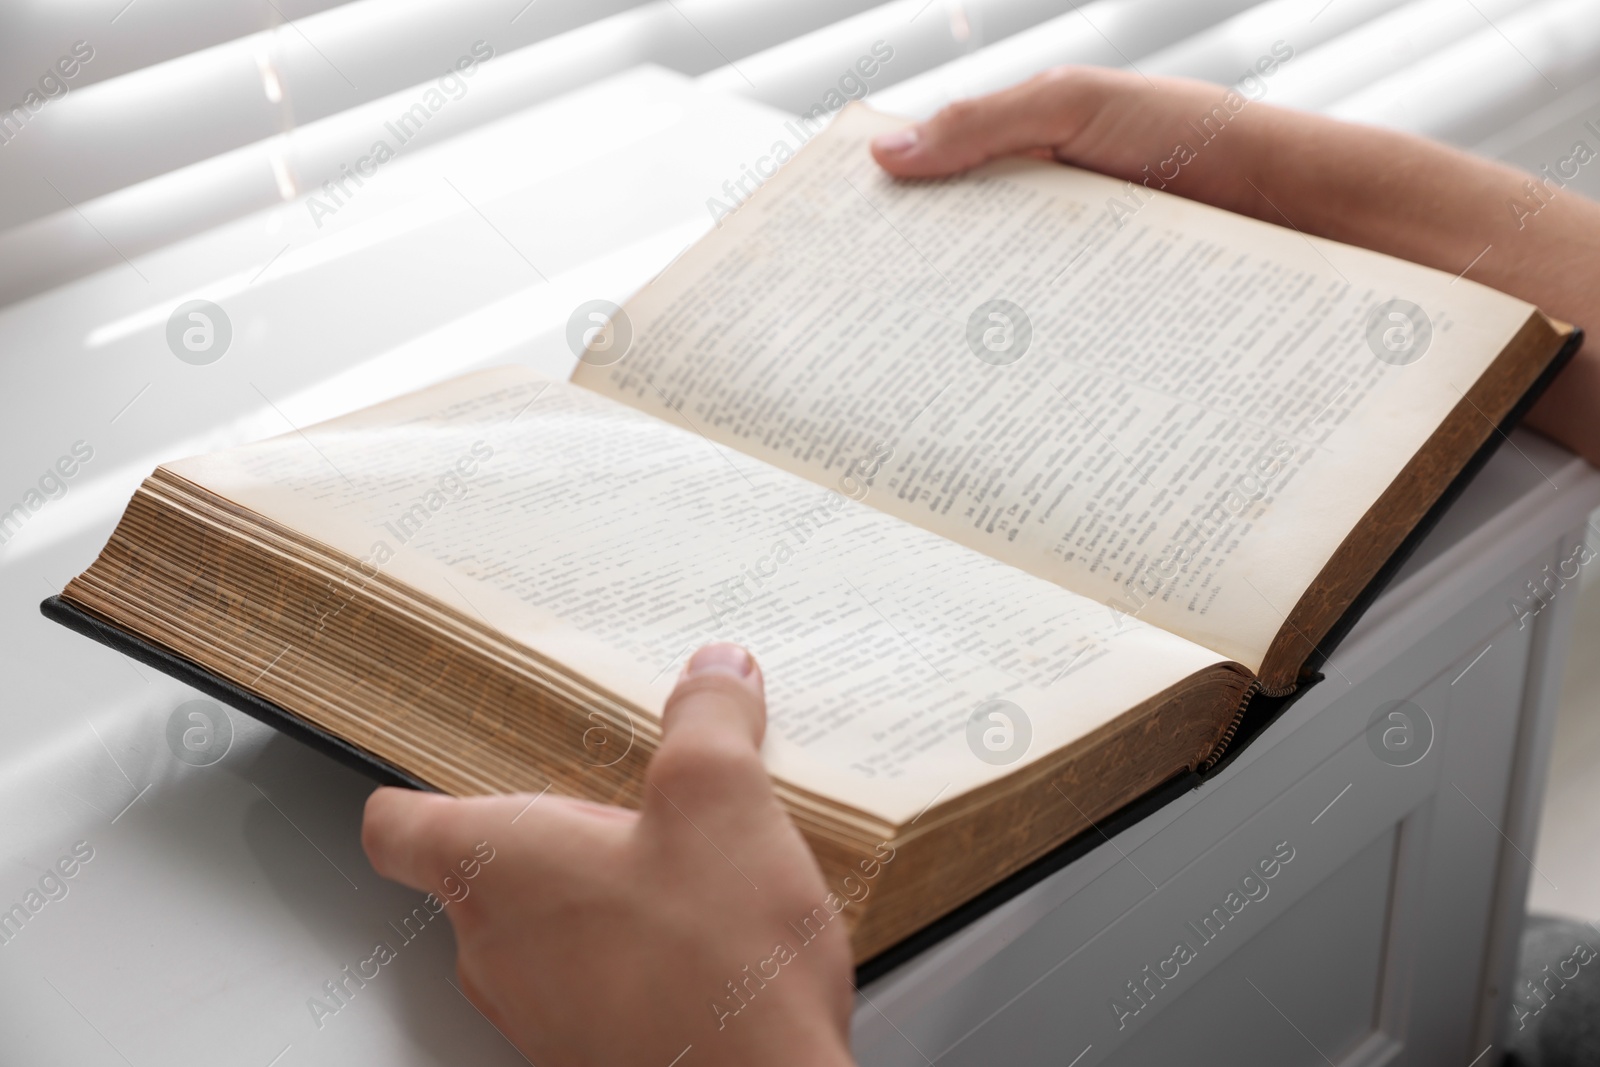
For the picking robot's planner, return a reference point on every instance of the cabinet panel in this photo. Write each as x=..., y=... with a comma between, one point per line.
x=1303, y=992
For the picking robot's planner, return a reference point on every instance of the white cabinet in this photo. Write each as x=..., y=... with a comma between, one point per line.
x=1388, y=936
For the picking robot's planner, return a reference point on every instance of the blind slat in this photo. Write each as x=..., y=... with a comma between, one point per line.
x=255, y=111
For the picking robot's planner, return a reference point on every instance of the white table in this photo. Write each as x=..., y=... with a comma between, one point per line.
x=220, y=898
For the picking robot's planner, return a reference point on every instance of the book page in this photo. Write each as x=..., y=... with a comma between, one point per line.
x=615, y=544
x=1175, y=411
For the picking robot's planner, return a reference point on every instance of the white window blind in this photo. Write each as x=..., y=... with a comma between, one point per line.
x=179, y=115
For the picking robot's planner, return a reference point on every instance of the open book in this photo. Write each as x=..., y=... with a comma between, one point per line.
x=1018, y=498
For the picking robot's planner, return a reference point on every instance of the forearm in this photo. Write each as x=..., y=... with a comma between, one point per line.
x=1418, y=200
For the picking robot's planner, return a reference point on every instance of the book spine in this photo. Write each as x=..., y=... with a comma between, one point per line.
x=1221, y=746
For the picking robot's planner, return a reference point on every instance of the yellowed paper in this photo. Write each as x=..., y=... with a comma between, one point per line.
x=616, y=544
x=1176, y=412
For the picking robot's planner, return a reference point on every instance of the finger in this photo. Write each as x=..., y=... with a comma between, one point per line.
x=709, y=760
x=418, y=838
x=721, y=691
x=431, y=842
x=1047, y=110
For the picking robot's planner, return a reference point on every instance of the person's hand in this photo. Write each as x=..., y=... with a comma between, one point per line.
x=604, y=936
x=1112, y=121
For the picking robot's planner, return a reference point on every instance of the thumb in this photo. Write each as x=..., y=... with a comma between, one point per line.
x=709, y=763
x=1045, y=111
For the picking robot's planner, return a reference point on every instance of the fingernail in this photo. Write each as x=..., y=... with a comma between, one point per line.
x=896, y=142
x=724, y=658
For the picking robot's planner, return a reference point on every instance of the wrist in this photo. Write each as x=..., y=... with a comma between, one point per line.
x=819, y=1044
x=834, y=1054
